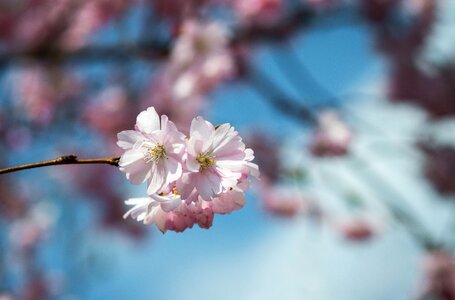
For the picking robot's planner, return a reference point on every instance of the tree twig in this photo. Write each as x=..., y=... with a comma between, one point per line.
x=63, y=160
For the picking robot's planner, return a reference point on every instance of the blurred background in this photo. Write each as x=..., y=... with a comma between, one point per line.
x=348, y=105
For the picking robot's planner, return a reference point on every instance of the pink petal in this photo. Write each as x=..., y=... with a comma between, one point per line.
x=223, y=135
x=208, y=184
x=228, y=202
x=203, y=131
x=186, y=184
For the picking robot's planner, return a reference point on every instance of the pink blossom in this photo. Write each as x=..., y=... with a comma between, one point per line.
x=439, y=276
x=153, y=151
x=39, y=91
x=201, y=57
x=198, y=40
x=90, y=16
x=258, y=11
x=358, y=228
x=169, y=212
x=216, y=160
x=228, y=202
x=288, y=202
x=85, y=21
x=162, y=95
x=333, y=137
x=109, y=110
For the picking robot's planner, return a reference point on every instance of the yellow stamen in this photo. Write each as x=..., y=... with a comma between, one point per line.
x=154, y=153
x=205, y=161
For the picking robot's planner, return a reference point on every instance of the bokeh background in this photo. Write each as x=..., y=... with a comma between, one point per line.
x=348, y=105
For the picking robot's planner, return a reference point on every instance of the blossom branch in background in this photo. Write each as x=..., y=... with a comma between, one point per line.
x=299, y=18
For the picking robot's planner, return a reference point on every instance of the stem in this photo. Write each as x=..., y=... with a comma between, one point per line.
x=63, y=160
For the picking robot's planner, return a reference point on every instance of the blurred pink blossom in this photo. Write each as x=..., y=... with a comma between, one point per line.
x=332, y=137
x=33, y=227
x=358, y=228
x=110, y=111
x=439, y=276
x=261, y=12
x=89, y=17
x=39, y=91
x=288, y=202
x=162, y=95
x=200, y=58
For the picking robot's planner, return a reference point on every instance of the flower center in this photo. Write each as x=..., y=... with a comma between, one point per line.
x=205, y=160
x=154, y=153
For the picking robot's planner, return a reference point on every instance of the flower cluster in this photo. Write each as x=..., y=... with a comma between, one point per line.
x=189, y=179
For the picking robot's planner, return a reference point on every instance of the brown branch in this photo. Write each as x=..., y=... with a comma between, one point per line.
x=63, y=160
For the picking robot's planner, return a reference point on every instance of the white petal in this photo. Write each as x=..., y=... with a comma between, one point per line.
x=139, y=211
x=136, y=169
x=192, y=165
x=156, y=180
x=173, y=169
x=130, y=157
x=148, y=120
x=171, y=205
x=127, y=139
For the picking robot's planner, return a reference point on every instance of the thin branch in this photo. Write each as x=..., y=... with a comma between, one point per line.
x=63, y=160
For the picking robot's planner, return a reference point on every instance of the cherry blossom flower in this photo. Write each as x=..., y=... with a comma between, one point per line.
x=216, y=160
x=153, y=151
